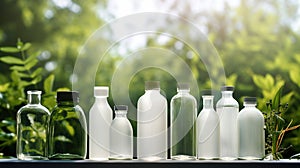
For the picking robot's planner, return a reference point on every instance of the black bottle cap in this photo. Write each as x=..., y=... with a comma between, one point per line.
x=227, y=88
x=250, y=100
x=67, y=96
x=120, y=107
x=207, y=92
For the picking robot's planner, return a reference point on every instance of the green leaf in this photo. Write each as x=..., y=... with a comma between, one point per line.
x=62, y=138
x=295, y=76
x=36, y=72
x=31, y=58
x=24, y=75
x=26, y=46
x=15, y=76
x=4, y=87
x=36, y=80
x=11, y=60
x=276, y=100
x=48, y=83
x=18, y=68
x=9, y=49
x=31, y=64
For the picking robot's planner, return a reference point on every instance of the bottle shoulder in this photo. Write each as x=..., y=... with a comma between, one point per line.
x=250, y=112
x=227, y=102
x=184, y=96
x=152, y=96
x=121, y=122
x=37, y=108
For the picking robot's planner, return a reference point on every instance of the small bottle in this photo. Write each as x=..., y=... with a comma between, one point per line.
x=100, y=118
x=251, y=131
x=121, y=135
x=183, y=124
x=152, y=124
x=228, y=109
x=67, y=128
x=208, y=129
x=32, y=127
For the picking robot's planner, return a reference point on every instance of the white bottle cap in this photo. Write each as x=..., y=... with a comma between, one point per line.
x=101, y=91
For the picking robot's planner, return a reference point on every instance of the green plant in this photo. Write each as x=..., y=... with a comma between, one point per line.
x=276, y=126
x=25, y=74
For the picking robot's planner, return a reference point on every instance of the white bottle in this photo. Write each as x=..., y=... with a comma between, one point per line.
x=208, y=129
x=121, y=135
x=100, y=118
x=152, y=124
x=228, y=109
x=251, y=131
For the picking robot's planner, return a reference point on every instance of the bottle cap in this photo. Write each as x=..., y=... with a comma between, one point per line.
x=101, y=91
x=250, y=100
x=227, y=88
x=207, y=92
x=183, y=86
x=34, y=92
x=121, y=107
x=67, y=96
x=151, y=85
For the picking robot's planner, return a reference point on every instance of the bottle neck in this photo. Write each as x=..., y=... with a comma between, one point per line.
x=34, y=99
x=208, y=102
x=67, y=103
x=247, y=105
x=121, y=113
x=153, y=90
x=183, y=91
x=227, y=94
x=101, y=98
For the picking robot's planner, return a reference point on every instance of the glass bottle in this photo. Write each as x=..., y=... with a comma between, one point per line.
x=228, y=108
x=67, y=128
x=208, y=129
x=251, y=131
x=183, y=124
x=100, y=118
x=152, y=124
x=32, y=126
x=121, y=135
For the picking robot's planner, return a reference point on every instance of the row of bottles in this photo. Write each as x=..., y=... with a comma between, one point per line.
x=61, y=134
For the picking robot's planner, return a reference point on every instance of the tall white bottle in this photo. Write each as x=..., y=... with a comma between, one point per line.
x=208, y=129
x=228, y=109
x=152, y=123
x=100, y=118
x=251, y=131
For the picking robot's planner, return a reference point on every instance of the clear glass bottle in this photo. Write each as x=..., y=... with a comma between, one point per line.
x=208, y=129
x=32, y=126
x=251, y=131
x=100, y=118
x=228, y=109
x=67, y=128
x=152, y=124
x=121, y=135
x=183, y=124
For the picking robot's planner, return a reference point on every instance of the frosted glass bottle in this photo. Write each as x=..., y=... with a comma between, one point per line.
x=228, y=108
x=121, y=135
x=183, y=124
x=67, y=128
x=32, y=126
x=152, y=124
x=100, y=118
x=208, y=129
x=251, y=131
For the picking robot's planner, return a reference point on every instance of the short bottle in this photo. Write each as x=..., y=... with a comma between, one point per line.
x=183, y=124
x=251, y=131
x=208, y=129
x=32, y=126
x=152, y=124
x=228, y=109
x=121, y=135
x=100, y=118
x=67, y=128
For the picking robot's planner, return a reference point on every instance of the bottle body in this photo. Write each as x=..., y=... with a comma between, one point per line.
x=208, y=131
x=67, y=132
x=100, y=118
x=183, y=126
x=32, y=126
x=121, y=137
x=152, y=126
x=251, y=133
x=227, y=109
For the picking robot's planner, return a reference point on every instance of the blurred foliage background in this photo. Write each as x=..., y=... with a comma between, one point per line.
x=257, y=40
